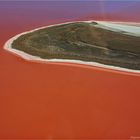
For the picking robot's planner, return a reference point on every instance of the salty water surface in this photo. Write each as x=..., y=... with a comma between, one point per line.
x=61, y=100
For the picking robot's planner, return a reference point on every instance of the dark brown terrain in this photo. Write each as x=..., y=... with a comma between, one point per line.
x=82, y=41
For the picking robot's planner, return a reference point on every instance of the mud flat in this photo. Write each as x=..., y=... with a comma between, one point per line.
x=132, y=32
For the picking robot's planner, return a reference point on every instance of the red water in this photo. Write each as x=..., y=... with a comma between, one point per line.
x=64, y=100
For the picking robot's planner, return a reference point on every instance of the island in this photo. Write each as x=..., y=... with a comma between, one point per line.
x=84, y=41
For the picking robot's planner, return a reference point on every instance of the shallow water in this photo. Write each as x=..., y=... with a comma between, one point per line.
x=61, y=100
x=126, y=28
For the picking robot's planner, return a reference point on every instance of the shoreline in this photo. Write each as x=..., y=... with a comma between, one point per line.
x=28, y=57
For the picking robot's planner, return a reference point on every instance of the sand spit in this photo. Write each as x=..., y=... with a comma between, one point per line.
x=8, y=47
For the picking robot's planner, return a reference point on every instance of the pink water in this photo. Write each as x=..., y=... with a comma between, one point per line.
x=62, y=100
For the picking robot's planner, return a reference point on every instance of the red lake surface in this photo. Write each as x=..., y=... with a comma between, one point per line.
x=59, y=100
